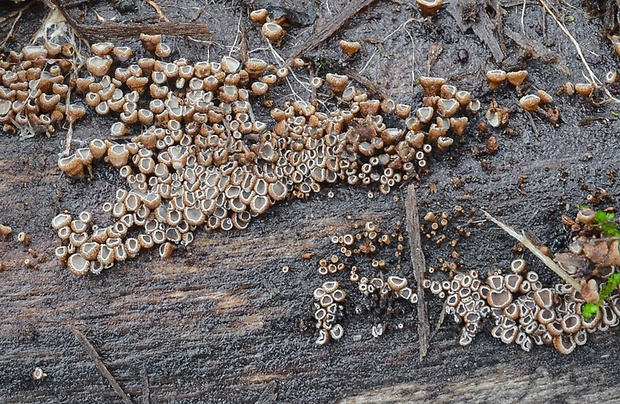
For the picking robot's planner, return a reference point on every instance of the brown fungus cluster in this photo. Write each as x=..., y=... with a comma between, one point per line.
x=465, y=299
x=522, y=311
x=381, y=288
x=35, y=89
x=328, y=310
x=194, y=154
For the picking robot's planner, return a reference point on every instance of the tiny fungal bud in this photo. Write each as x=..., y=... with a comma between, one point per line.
x=349, y=48
x=429, y=7
x=23, y=238
x=5, y=230
x=496, y=78
x=516, y=78
x=38, y=374
x=272, y=31
x=530, y=102
x=259, y=16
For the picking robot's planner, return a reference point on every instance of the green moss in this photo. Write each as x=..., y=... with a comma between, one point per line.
x=606, y=224
x=589, y=310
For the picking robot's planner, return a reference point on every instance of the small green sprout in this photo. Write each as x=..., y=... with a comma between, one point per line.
x=615, y=113
x=605, y=222
x=322, y=65
x=570, y=18
x=589, y=310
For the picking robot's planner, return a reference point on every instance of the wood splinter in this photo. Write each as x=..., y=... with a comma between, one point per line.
x=94, y=355
x=418, y=263
x=523, y=239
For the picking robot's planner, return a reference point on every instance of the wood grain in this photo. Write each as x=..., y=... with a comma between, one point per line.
x=221, y=322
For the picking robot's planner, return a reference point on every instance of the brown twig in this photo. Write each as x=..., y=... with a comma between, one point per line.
x=369, y=84
x=160, y=13
x=534, y=127
x=90, y=350
x=112, y=30
x=326, y=30
x=107, y=30
x=419, y=265
x=16, y=12
x=6, y=38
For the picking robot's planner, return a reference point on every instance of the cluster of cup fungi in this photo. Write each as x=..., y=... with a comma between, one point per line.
x=520, y=309
x=191, y=150
x=35, y=89
x=378, y=281
x=193, y=155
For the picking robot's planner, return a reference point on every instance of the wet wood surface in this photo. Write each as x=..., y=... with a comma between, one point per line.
x=220, y=321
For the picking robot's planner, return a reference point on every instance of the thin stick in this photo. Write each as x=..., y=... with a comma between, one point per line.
x=593, y=77
x=523, y=16
x=69, y=135
x=16, y=12
x=160, y=13
x=418, y=263
x=90, y=350
x=6, y=38
x=325, y=31
x=147, y=388
x=536, y=251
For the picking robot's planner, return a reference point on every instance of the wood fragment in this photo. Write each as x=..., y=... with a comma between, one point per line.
x=146, y=399
x=418, y=263
x=269, y=395
x=107, y=30
x=94, y=355
x=244, y=48
x=483, y=26
x=440, y=320
x=369, y=84
x=534, y=127
x=527, y=243
x=433, y=55
x=325, y=31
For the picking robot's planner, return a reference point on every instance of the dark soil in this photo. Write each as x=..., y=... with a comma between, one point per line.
x=221, y=322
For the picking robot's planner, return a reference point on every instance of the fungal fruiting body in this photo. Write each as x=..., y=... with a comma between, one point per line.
x=204, y=160
x=522, y=311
